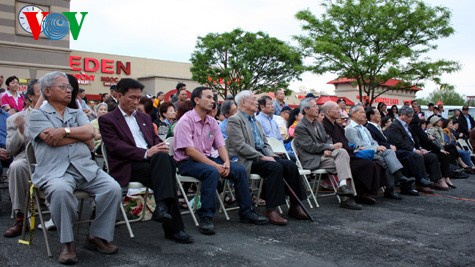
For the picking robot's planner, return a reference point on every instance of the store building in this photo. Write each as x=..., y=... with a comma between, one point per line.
x=28, y=58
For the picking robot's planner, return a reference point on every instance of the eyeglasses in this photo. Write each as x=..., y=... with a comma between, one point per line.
x=65, y=86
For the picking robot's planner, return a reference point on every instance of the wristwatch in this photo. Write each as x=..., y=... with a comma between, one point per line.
x=67, y=130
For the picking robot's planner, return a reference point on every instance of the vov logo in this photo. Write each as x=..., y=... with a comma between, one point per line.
x=55, y=26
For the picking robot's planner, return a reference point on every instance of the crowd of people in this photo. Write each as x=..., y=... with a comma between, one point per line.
x=366, y=148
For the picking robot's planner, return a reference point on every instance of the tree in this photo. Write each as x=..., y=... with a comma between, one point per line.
x=372, y=41
x=238, y=60
x=446, y=94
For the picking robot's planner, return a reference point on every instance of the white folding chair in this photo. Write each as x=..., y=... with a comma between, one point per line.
x=131, y=185
x=188, y=179
x=466, y=146
x=315, y=187
x=33, y=204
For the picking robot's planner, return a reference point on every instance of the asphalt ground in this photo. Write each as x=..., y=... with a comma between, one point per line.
x=429, y=230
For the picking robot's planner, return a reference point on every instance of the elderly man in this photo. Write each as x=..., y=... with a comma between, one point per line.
x=228, y=108
x=62, y=140
x=279, y=102
x=136, y=153
x=316, y=151
x=18, y=171
x=247, y=141
x=181, y=94
x=407, y=158
x=399, y=134
x=368, y=175
x=357, y=134
x=198, y=134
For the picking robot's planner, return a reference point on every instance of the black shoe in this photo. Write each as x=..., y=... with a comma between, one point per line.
x=344, y=191
x=206, y=226
x=425, y=183
x=180, y=237
x=161, y=214
x=349, y=203
x=406, y=180
x=409, y=192
x=367, y=200
x=253, y=218
x=392, y=195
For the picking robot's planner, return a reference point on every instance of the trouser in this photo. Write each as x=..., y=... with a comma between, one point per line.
x=339, y=162
x=159, y=174
x=209, y=177
x=18, y=183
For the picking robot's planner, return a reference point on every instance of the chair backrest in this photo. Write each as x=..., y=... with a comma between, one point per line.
x=296, y=153
x=169, y=141
x=30, y=157
x=104, y=155
x=465, y=145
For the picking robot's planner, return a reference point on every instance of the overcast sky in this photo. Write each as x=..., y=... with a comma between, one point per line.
x=168, y=30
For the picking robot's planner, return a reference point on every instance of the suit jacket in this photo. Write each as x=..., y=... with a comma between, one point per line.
x=240, y=141
x=120, y=144
x=398, y=136
x=463, y=126
x=354, y=136
x=16, y=142
x=310, y=141
x=377, y=135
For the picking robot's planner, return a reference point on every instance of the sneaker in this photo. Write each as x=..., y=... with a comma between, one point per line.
x=207, y=226
x=49, y=225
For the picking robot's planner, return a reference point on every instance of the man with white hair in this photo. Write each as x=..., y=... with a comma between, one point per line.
x=247, y=141
x=62, y=140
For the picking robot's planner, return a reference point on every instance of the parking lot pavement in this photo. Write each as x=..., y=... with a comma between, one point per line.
x=430, y=230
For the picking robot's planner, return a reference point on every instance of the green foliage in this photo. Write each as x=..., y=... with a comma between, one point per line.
x=448, y=96
x=372, y=41
x=244, y=60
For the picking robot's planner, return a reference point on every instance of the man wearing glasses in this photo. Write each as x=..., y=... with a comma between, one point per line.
x=62, y=140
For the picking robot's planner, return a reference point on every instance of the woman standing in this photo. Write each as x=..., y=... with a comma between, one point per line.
x=11, y=96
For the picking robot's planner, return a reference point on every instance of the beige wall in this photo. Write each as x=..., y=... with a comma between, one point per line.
x=391, y=97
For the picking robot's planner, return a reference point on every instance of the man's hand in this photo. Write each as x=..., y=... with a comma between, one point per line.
x=337, y=145
x=419, y=152
x=424, y=151
x=381, y=148
x=327, y=153
x=445, y=152
x=161, y=147
x=20, y=123
x=4, y=154
x=223, y=169
x=53, y=136
x=267, y=158
x=394, y=148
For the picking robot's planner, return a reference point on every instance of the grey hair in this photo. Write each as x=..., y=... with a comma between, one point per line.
x=226, y=107
x=241, y=96
x=99, y=105
x=305, y=103
x=353, y=109
x=49, y=79
x=324, y=108
x=404, y=110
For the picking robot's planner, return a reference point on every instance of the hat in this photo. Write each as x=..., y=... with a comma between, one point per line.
x=436, y=108
x=430, y=105
x=113, y=87
x=286, y=108
x=311, y=95
x=340, y=100
x=465, y=108
x=160, y=93
x=434, y=119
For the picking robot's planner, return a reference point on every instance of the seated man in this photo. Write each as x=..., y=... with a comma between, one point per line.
x=197, y=134
x=136, y=153
x=18, y=171
x=405, y=157
x=316, y=151
x=357, y=134
x=368, y=175
x=399, y=134
x=62, y=140
x=247, y=141
x=228, y=108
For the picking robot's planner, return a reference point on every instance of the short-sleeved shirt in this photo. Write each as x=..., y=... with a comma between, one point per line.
x=191, y=131
x=52, y=162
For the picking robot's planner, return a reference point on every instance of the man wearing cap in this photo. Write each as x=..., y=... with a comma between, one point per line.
x=435, y=112
x=282, y=122
x=343, y=114
x=112, y=101
x=466, y=122
x=279, y=102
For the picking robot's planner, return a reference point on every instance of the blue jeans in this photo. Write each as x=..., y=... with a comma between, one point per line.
x=209, y=177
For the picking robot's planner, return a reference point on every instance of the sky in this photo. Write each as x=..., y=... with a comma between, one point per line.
x=168, y=30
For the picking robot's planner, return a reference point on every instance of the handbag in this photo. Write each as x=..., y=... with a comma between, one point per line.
x=365, y=154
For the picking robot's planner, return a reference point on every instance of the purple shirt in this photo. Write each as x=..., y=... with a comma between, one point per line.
x=191, y=131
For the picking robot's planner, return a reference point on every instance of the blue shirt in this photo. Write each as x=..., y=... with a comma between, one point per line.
x=255, y=132
x=278, y=107
x=269, y=125
x=3, y=128
x=223, y=126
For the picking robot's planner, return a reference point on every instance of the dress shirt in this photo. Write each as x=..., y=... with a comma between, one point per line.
x=269, y=125
x=139, y=139
x=278, y=107
x=255, y=132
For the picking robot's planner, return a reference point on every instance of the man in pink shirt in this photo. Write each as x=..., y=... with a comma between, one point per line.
x=196, y=134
